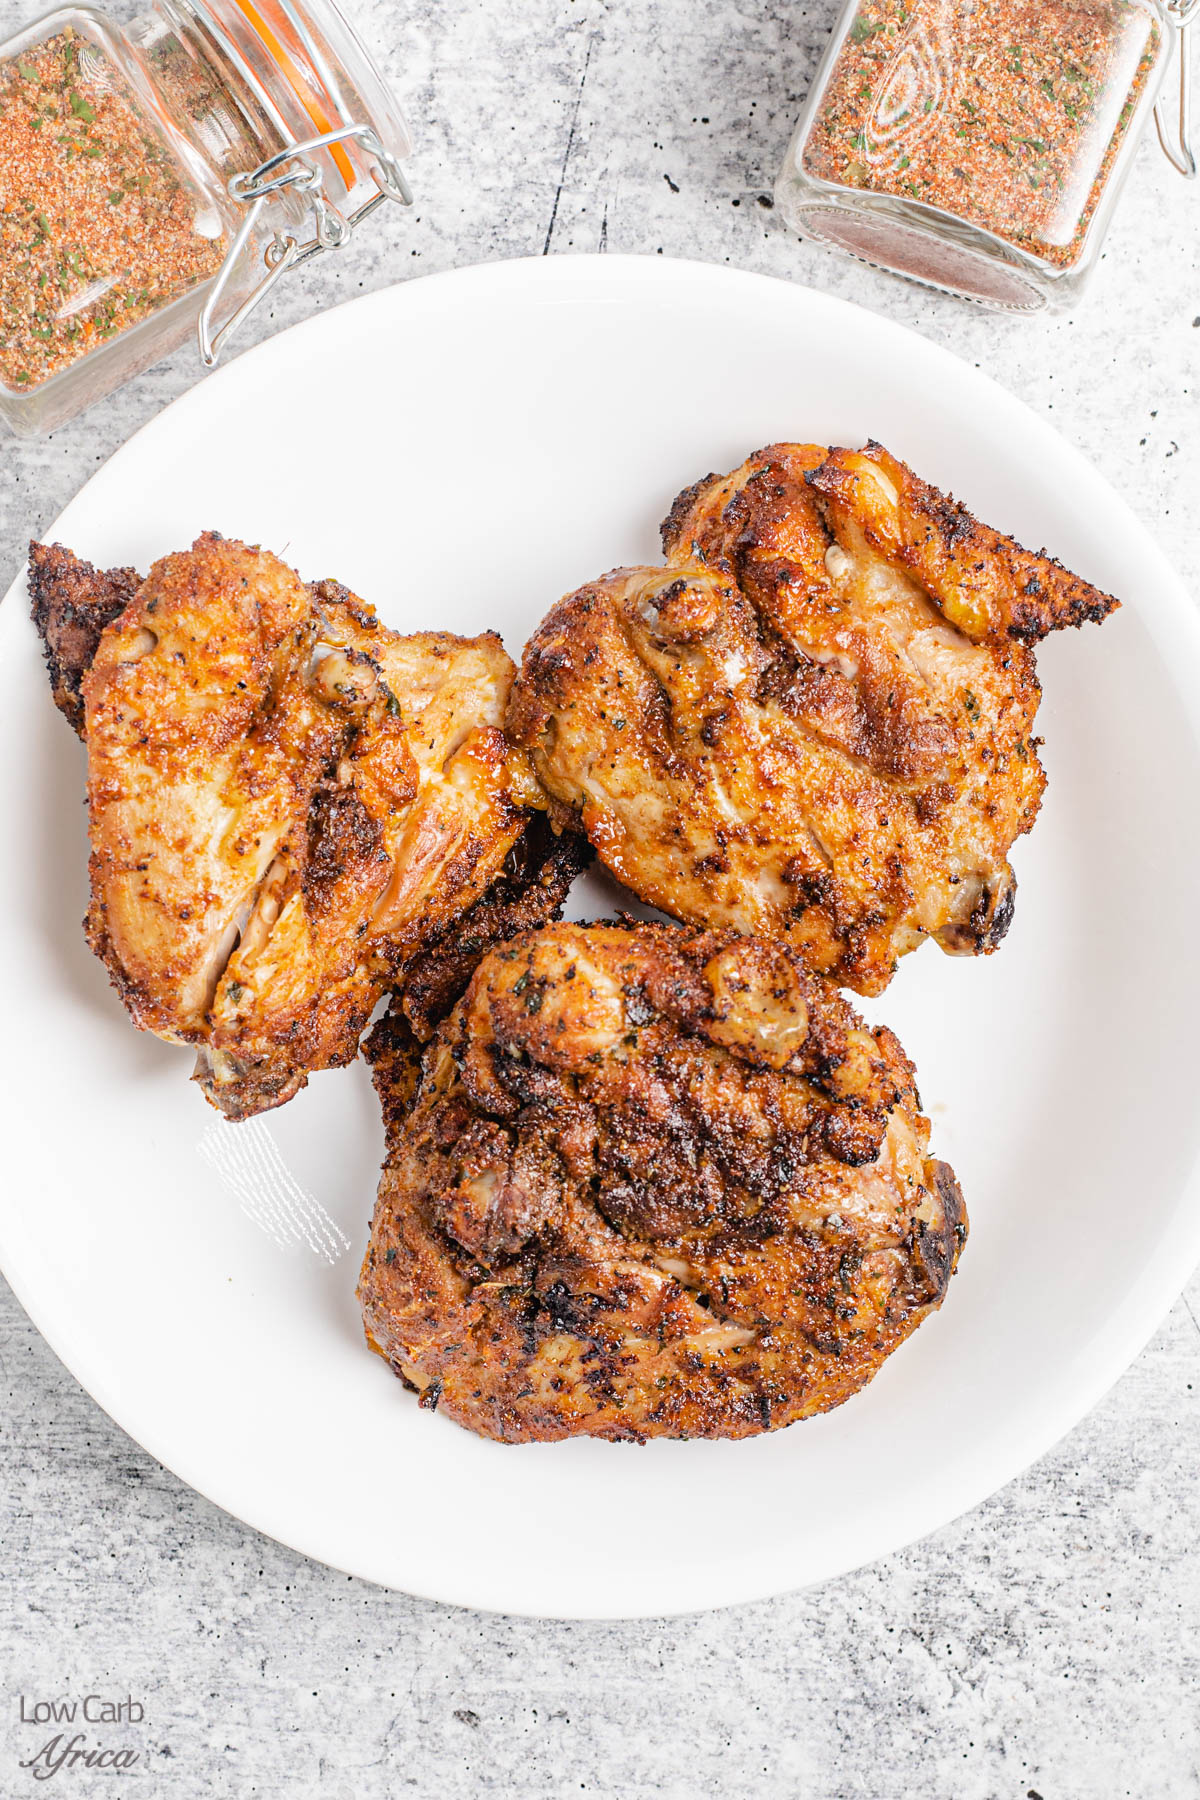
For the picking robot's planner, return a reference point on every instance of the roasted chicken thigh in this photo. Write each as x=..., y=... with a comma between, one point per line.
x=290, y=806
x=650, y=1182
x=817, y=720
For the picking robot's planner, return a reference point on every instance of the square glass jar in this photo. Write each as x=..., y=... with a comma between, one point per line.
x=157, y=178
x=91, y=171
x=977, y=146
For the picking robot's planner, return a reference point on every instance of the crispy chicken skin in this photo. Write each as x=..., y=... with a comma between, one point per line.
x=289, y=805
x=650, y=1182
x=72, y=603
x=817, y=720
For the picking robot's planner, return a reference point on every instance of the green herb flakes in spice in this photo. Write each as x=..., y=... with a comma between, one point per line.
x=1005, y=113
x=97, y=225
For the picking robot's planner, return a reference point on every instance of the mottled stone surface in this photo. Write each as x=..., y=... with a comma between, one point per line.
x=1049, y=1643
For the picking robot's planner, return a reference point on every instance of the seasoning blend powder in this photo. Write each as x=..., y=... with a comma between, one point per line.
x=999, y=117
x=99, y=226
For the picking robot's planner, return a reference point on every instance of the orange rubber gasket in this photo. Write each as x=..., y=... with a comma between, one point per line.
x=288, y=65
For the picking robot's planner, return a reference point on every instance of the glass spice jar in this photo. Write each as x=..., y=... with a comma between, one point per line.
x=158, y=179
x=978, y=146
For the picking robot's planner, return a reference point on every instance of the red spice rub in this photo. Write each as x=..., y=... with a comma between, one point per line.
x=98, y=225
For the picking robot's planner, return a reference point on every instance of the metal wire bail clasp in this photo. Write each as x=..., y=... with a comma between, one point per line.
x=291, y=168
x=1180, y=153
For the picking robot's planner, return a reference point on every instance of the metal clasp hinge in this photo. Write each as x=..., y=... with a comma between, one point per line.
x=1180, y=153
x=290, y=168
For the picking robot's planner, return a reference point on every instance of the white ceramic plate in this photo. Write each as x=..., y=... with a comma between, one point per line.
x=462, y=450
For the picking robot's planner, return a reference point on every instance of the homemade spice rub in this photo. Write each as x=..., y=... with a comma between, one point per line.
x=1007, y=114
x=98, y=227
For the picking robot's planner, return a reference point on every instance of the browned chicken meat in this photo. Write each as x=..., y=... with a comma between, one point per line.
x=818, y=720
x=652, y=1182
x=72, y=602
x=290, y=806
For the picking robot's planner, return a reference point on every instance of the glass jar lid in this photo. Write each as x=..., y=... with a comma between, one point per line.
x=342, y=139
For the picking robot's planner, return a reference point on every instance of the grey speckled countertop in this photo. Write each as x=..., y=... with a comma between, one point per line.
x=1049, y=1643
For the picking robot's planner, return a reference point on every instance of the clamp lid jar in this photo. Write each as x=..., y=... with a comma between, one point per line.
x=157, y=180
x=979, y=145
